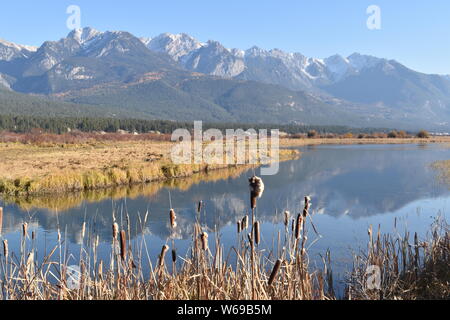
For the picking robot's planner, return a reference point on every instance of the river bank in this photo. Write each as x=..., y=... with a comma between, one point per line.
x=49, y=168
x=36, y=169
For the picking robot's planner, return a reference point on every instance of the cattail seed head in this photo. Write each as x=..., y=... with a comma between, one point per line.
x=115, y=229
x=162, y=256
x=25, y=230
x=275, y=271
x=298, y=226
x=239, y=227
x=204, y=239
x=256, y=190
x=286, y=218
x=200, y=206
x=174, y=256
x=5, y=248
x=173, y=218
x=257, y=233
x=253, y=201
x=123, y=245
x=307, y=206
x=307, y=202
x=244, y=224
x=33, y=235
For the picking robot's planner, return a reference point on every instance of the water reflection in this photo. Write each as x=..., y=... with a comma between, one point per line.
x=344, y=181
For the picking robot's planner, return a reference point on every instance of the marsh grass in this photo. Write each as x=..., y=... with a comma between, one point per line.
x=205, y=273
x=38, y=170
x=410, y=269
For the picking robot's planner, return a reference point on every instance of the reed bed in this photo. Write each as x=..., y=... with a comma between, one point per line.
x=417, y=270
x=206, y=272
x=409, y=269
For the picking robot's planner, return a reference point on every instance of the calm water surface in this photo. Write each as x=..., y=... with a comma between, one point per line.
x=352, y=187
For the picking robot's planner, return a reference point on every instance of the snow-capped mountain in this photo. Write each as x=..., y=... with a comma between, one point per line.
x=10, y=51
x=292, y=70
x=177, y=46
x=178, y=67
x=85, y=58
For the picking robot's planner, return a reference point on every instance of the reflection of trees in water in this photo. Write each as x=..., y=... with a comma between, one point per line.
x=356, y=181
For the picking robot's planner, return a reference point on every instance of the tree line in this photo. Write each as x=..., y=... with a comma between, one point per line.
x=59, y=125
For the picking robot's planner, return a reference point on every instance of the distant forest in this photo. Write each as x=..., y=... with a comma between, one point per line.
x=59, y=125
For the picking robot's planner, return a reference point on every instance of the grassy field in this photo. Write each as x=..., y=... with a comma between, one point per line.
x=47, y=164
x=46, y=168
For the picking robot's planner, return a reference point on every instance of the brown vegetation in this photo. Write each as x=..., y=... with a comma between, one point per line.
x=409, y=269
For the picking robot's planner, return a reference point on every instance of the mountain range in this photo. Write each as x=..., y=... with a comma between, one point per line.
x=177, y=77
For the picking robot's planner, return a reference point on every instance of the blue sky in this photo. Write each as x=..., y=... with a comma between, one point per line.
x=414, y=32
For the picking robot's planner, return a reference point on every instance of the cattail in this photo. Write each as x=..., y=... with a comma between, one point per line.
x=204, y=239
x=25, y=230
x=5, y=248
x=123, y=245
x=174, y=256
x=257, y=233
x=298, y=226
x=286, y=218
x=200, y=206
x=275, y=271
x=256, y=190
x=33, y=235
x=253, y=201
x=244, y=225
x=115, y=229
x=239, y=227
x=162, y=256
x=173, y=218
x=307, y=206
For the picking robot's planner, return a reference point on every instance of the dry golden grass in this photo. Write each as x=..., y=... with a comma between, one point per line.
x=33, y=161
x=410, y=269
x=205, y=273
x=58, y=168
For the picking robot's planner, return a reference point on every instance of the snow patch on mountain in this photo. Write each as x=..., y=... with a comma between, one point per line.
x=10, y=51
x=85, y=36
x=178, y=46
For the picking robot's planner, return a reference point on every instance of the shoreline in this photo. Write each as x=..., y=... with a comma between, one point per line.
x=123, y=171
x=39, y=170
